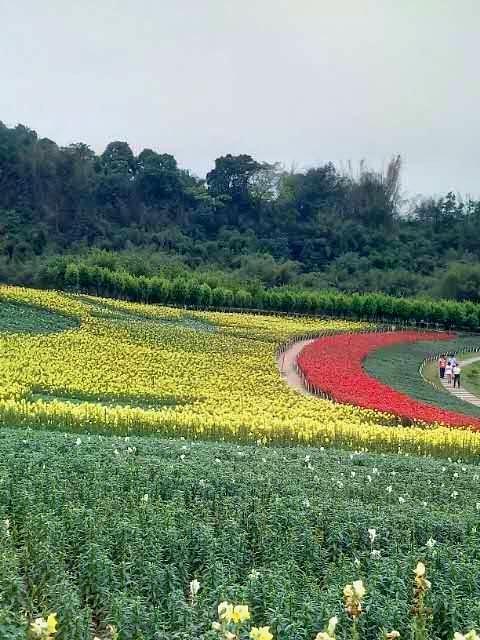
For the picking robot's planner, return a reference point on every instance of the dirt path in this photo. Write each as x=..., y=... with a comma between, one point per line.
x=286, y=364
x=462, y=393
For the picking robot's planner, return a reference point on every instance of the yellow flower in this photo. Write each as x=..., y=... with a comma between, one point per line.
x=261, y=633
x=420, y=570
x=240, y=613
x=52, y=623
x=225, y=611
x=348, y=591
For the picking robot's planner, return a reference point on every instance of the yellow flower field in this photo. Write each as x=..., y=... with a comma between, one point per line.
x=135, y=368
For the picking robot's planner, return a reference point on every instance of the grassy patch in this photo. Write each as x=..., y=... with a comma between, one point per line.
x=471, y=378
x=398, y=367
x=22, y=318
x=107, y=530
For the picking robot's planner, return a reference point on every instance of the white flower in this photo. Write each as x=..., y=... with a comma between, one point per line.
x=401, y=500
x=455, y=475
x=353, y=474
x=376, y=554
x=431, y=543
x=310, y=467
x=78, y=442
x=454, y=494
x=307, y=459
x=202, y=482
x=217, y=460
x=424, y=503
x=182, y=457
x=254, y=574
x=471, y=635
x=369, y=478
x=306, y=502
x=194, y=588
x=116, y=452
x=372, y=534
x=389, y=488
x=375, y=471
x=144, y=498
x=476, y=476
x=340, y=485
x=332, y=623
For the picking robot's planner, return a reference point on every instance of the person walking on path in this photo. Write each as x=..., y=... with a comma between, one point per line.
x=441, y=366
x=454, y=361
x=456, y=376
x=448, y=372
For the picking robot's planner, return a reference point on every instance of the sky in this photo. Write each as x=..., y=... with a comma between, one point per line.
x=301, y=82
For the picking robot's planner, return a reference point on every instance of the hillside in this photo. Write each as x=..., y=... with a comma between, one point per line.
x=248, y=222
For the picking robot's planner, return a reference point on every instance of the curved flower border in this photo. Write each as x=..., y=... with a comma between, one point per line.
x=334, y=365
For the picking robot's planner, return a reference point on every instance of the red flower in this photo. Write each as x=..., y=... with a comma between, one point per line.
x=334, y=365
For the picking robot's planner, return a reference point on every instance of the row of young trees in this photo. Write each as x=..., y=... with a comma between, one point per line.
x=80, y=277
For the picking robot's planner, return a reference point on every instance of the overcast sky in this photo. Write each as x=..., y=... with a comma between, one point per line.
x=297, y=81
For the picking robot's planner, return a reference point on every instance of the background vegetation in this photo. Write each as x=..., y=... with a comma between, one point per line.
x=249, y=224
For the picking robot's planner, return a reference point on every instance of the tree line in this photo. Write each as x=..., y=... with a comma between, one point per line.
x=100, y=281
x=322, y=228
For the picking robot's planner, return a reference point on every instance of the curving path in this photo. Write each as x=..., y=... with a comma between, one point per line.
x=287, y=364
x=462, y=393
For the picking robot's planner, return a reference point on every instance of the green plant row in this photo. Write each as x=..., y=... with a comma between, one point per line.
x=110, y=532
x=79, y=277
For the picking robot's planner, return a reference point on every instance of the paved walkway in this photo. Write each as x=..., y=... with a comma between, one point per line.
x=461, y=393
x=286, y=363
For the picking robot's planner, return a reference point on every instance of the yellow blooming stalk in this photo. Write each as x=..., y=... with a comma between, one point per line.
x=261, y=633
x=42, y=629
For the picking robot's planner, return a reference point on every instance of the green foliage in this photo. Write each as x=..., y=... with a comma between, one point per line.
x=21, y=318
x=251, y=221
x=471, y=378
x=191, y=291
x=111, y=531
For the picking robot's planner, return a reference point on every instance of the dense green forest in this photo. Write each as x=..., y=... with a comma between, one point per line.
x=249, y=224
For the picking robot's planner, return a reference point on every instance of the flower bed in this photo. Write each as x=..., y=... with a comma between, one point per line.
x=334, y=365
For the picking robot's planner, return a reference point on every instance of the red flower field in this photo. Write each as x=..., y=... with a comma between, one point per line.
x=334, y=365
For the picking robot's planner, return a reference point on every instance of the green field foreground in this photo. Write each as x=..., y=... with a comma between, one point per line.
x=108, y=530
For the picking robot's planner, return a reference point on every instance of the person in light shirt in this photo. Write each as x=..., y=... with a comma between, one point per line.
x=456, y=375
x=448, y=372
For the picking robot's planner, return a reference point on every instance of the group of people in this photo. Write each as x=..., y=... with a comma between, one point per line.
x=450, y=369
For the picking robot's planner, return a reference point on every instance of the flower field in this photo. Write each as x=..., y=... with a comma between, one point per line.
x=208, y=529
x=130, y=368
x=397, y=365
x=110, y=532
x=334, y=364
